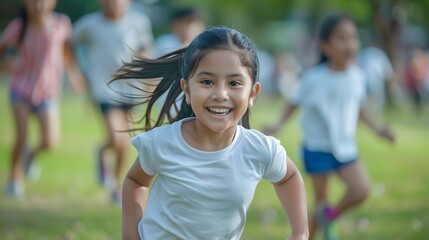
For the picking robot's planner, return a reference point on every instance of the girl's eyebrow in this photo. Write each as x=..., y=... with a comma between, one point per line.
x=212, y=74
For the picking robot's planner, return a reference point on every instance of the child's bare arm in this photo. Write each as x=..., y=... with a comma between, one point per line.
x=135, y=193
x=77, y=81
x=286, y=114
x=382, y=130
x=291, y=193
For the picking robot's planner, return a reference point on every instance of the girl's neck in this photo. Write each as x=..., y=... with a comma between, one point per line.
x=38, y=20
x=336, y=66
x=113, y=16
x=203, y=139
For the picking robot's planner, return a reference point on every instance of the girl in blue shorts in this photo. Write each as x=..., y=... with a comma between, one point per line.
x=331, y=95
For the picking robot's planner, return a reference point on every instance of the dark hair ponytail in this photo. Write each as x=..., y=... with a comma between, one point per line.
x=167, y=71
x=165, y=74
x=23, y=15
x=326, y=29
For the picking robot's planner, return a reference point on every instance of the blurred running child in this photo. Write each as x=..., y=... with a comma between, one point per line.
x=38, y=51
x=186, y=23
x=109, y=37
x=202, y=169
x=416, y=72
x=331, y=95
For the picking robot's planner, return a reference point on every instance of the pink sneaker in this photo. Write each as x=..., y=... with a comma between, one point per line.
x=325, y=216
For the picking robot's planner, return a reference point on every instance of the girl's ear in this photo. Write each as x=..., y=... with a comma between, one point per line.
x=256, y=89
x=185, y=89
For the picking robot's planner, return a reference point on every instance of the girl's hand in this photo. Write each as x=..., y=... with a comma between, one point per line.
x=386, y=133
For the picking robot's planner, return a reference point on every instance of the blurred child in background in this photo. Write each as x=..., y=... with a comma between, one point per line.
x=109, y=37
x=38, y=41
x=185, y=24
x=416, y=72
x=331, y=96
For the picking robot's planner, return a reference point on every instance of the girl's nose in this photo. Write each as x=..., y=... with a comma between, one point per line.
x=220, y=94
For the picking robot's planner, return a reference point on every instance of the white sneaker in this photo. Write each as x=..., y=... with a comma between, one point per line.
x=31, y=167
x=14, y=189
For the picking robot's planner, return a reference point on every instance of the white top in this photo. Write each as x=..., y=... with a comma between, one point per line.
x=107, y=45
x=331, y=103
x=203, y=195
x=377, y=67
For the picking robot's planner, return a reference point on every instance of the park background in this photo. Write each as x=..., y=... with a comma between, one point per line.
x=67, y=203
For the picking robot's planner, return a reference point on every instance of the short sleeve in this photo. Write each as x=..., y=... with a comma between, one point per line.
x=143, y=144
x=10, y=35
x=277, y=169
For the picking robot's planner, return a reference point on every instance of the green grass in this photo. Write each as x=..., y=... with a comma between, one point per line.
x=67, y=203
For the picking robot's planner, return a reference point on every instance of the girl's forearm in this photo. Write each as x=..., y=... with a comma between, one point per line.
x=74, y=73
x=134, y=200
x=292, y=196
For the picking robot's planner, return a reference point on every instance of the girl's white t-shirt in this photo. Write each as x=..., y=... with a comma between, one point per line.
x=331, y=102
x=203, y=195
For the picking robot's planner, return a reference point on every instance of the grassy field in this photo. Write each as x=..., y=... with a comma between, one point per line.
x=67, y=203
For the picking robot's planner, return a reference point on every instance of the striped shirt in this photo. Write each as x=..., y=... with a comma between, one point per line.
x=38, y=69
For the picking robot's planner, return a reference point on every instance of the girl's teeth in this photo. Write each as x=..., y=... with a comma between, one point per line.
x=219, y=111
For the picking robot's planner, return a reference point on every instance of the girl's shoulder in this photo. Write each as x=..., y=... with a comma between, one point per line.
x=15, y=23
x=11, y=33
x=256, y=137
x=314, y=72
x=356, y=68
x=262, y=146
x=60, y=17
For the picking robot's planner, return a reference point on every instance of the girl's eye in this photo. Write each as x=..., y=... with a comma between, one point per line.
x=207, y=82
x=234, y=83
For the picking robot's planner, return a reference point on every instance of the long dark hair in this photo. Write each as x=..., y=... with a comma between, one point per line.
x=23, y=15
x=326, y=29
x=169, y=69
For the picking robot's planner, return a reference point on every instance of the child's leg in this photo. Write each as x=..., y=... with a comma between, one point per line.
x=115, y=120
x=49, y=124
x=21, y=114
x=357, y=184
x=320, y=189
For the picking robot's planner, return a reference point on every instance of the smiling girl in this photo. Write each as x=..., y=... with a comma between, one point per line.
x=203, y=168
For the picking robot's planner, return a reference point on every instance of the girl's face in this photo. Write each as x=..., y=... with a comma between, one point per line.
x=37, y=8
x=220, y=91
x=114, y=9
x=343, y=44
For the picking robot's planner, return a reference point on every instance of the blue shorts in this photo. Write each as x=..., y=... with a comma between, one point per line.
x=39, y=107
x=316, y=162
x=106, y=107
